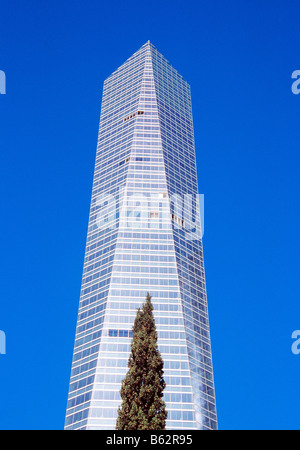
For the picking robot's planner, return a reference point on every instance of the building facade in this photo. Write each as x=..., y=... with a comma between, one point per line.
x=144, y=235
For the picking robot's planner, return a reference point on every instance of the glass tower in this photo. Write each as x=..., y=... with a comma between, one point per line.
x=144, y=235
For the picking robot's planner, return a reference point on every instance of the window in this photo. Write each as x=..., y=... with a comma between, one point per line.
x=133, y=115
x=120, y=333
x=129, y=117
x=177, y=220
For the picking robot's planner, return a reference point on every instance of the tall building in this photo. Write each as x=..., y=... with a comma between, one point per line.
x=144, y=235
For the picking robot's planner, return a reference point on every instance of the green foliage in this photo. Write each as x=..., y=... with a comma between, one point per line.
x=142, y=389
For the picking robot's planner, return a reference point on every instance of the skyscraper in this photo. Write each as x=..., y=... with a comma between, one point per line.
x=144, y=235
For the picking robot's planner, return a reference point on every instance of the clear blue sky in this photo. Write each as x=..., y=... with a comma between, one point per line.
x=238, y=58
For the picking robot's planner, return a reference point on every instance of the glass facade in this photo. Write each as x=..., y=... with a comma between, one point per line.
x=144, y=235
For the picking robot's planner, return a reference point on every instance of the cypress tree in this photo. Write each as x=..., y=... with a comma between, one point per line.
x=141, y=391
